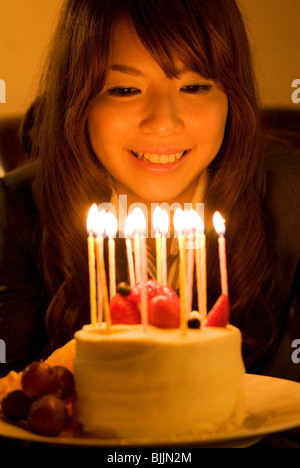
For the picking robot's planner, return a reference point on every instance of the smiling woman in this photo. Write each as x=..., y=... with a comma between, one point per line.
x=166, y=130
x=155, y=101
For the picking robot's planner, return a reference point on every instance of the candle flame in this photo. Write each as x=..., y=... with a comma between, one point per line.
x=91, y=218
x=178, y=221
x=197, y=222
x=100, y=223
x=164, y=222
x=160, y=220
x=139, y=222
x=219, y=223
x=128, y=228
x=111, y=225
x=156, y=218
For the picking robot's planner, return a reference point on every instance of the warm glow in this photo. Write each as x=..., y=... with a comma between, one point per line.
x=178, y=221
x=160, y=221
x=139, y=222
x=129, y=226
x=91, y=219
x=164, y=226
x=196, y=221
x=111, y=225
x=100, y=223
x=219, y=223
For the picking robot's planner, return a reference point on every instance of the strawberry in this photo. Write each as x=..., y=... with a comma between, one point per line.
x=163, y=306
x=219, y=315
x=153, y=289
x=123, y=310
x=164, y=311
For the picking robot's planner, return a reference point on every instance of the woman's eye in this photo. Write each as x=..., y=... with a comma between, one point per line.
x=123, y=92
x=196, y=88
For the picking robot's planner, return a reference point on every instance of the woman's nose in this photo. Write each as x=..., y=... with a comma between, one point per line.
x=161, y=116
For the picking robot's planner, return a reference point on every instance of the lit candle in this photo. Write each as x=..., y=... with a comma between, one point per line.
x=164, y=226
x=158, y=243
x=200, y=260
x=128, y=231
x=91, y=257
x=137, y=251
x=190, y=230
x=219, y=224
x=111, y=231
x=179, y=231
x=140, y=253
x=101, y=276
x=161, y=225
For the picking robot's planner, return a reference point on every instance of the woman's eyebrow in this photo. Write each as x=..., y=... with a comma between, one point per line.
x=126, y=69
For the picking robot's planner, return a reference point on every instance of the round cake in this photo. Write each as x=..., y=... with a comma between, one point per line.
x=157, y=383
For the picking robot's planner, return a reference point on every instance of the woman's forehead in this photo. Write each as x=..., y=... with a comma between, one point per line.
x=128, y=52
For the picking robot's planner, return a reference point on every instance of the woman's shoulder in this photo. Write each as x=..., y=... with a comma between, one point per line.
x=16, y=187
x=17, y=179
x=16, y=200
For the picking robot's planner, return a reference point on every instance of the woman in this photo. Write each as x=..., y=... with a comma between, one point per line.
x=155, y=101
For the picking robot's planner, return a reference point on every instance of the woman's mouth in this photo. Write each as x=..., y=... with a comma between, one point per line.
x=159, y=158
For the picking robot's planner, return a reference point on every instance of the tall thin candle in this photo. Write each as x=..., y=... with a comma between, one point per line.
x=158, y=243
x=164, y=226
x=99, y=237
x=91, y=257
x=141, y=255
x=219, y=224
x=128, y=231
x=111, y=230
x=161, y=225
x=179, y=231
x=190, y=230
x=200, y=260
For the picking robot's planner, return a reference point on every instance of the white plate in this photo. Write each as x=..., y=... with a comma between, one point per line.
x=273, y=405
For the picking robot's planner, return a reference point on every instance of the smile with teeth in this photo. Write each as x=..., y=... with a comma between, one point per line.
x=159, y=158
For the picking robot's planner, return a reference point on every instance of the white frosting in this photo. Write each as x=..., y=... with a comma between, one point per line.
x=132, y=384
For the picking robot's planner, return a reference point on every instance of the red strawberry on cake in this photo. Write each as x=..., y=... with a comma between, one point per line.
x=219, y=315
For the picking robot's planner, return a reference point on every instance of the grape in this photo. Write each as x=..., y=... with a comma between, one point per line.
x=16, y=405
x=48, y=416
x=63, y=382
x=37, y=379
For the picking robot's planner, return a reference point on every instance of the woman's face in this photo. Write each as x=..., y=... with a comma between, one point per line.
x=154, y=135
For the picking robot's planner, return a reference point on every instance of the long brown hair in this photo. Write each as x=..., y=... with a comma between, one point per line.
x=209, y=37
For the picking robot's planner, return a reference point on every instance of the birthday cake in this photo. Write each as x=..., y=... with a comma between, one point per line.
x=160, y=382
x=152, y=370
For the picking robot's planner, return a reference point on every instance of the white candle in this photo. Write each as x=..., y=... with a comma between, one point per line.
x=92, y=265
x=189, y=226
x=140, y=253
x=111, y=231
x=128, y=231
x=100, y=233
x=137, y=257
x=158, y=243
x=219, y=224
x=161, y=226
x=164, y=227
x=102, y=293
x=200, y=260
x=179, y=231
